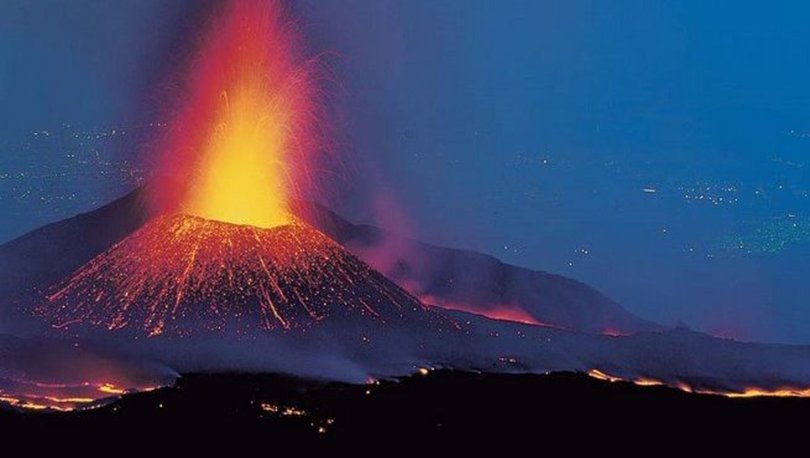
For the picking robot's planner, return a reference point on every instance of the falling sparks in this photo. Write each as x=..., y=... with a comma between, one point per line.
x=243, y=140
x=184, y=274
x=227, y=254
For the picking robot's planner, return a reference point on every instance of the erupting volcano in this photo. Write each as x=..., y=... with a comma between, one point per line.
x=229, y=254
x=209, y=275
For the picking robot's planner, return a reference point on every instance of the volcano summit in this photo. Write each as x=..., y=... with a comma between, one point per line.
x=184, y=274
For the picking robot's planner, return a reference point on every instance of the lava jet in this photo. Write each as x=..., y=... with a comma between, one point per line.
x=227, y=254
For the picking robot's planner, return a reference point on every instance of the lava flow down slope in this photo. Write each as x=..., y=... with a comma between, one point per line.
x=183, y=274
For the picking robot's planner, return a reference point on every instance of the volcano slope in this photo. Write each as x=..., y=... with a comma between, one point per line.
x=199, y=295
x=438, y=276
x=183, y=274
x=202, y=295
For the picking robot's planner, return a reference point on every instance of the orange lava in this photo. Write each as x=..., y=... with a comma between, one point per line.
x=613, y=332
x=60, y=397
x=241, y=144
x=752, y=392
x=749, y=392
x=287, y=411
x=499, y=312
x=597, y=374
x=184, y=274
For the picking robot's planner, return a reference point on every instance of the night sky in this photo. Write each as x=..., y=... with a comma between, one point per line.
x=655, y=150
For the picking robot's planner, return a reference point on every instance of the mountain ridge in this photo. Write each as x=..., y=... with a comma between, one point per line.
x=444, y=277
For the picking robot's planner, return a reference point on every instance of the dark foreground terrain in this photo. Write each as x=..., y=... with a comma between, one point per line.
x=565, y=409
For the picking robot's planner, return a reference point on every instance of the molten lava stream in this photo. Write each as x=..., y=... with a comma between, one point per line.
x=188, y=275
x=748, y=392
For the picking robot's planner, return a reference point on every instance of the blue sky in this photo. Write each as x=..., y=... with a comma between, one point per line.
x=655, y=150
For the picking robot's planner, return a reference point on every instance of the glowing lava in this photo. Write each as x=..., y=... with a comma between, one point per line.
x=184, y=275
x=60, y=397
x=748, y=392
x=227, y=254
x=242, y=142
x=502, y=312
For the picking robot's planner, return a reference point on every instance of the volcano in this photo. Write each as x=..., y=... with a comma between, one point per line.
x=217, y=296
x=182, y=274
x=223, y=271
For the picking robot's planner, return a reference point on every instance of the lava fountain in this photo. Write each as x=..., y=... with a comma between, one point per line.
x=241, y=143
x=229, y=255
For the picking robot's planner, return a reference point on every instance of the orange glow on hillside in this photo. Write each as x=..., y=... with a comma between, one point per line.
x=612, y=332
x=241, y=141
x=748, y=392
x=503, y=312
x=62, y=397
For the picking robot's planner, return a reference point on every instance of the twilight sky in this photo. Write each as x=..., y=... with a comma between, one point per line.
x=655, y=150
